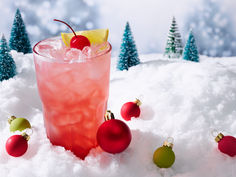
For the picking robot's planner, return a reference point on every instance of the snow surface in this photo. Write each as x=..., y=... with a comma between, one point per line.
x=181, y=99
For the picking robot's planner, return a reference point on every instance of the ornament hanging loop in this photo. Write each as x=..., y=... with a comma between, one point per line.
x=29, y=131
x=137, y=102
x=214, y=133
x=109, y=115
x=169, y=142
x=26, y=136
x=11, y=119
x=141, y=97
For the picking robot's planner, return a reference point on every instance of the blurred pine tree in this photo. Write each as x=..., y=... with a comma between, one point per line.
x=174, y=46
x=19, y=39
x=7, y=64
x=128, y=55
x=190, y=49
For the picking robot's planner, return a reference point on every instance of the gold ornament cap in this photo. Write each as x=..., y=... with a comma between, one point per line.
x=137, y=102
x=11, y=119
x=109, y=115
x=169, y=142
x=26, y=136
x=219, y=137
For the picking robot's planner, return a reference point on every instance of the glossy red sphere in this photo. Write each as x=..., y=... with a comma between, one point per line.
x=114, y=136
x=130, y=109
x=79, y=42
x=227, y=145
x=16, y=145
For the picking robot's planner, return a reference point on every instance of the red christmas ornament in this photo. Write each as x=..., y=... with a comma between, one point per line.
x=17, y=145
x=113, y=136
x=226, y=144
x=130, y=109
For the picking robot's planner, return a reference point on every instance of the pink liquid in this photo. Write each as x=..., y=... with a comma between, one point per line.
x=74, y=98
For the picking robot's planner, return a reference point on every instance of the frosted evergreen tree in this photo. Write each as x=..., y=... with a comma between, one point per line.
x=214, y=29
x=19, y=39
x=190, y=49
x=174, y=47
x=128, y=52
x=7, y=64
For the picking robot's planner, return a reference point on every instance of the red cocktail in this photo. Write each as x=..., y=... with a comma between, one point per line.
x=73, y=86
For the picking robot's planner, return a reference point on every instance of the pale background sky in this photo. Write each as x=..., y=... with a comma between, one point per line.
x=150, y=19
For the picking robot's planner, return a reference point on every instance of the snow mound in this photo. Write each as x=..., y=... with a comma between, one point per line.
x=184, y=100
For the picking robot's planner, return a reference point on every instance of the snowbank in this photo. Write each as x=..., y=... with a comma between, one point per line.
x=181, y=99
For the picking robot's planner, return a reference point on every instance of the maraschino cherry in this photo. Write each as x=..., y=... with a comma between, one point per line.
x=77, y=41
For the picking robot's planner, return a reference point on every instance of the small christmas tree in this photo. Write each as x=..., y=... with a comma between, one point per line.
x=7, y=64
x=190, y=50
x=174, y=47
x=129, y=55
x=19, y=39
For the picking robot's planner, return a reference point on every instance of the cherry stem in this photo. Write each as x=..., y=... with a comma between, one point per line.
x=66, y=25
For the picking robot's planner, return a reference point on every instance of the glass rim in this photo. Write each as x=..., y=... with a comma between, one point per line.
x=46, y=58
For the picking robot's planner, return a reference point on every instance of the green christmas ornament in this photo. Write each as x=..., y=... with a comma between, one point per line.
x=164, y=157
x=18, y=124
